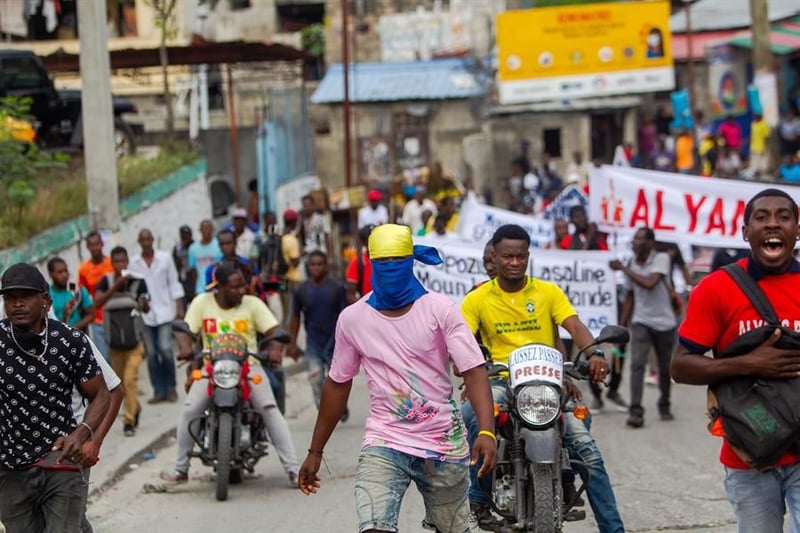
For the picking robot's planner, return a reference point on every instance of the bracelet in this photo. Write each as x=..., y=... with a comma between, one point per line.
x=488, y=434
x=91, y=432
x=598, y=352
x=318, y=452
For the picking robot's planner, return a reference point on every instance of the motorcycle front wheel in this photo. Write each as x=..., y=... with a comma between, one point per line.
x=224, y=452
x=545, y=509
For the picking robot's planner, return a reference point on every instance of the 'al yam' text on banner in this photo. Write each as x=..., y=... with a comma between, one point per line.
x=478, y=222
x=678, y=208
x=588, y=50
x=584, y=276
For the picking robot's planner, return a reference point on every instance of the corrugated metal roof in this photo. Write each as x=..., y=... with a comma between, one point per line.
x=708, y=15
x=438, y=79
x=784, y=38
x=680, y=43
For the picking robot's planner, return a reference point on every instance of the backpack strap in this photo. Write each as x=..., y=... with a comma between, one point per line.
x=753, y=292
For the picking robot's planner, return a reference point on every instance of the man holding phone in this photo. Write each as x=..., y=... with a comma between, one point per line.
x=72, y=304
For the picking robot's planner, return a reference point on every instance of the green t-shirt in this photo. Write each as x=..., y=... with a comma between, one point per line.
x=60, y=299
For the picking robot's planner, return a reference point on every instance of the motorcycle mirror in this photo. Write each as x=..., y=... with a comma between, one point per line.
x=613, y=334
x=494, y=369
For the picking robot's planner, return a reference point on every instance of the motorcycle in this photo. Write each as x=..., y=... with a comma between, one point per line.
x=228, y=432
x=527, y=487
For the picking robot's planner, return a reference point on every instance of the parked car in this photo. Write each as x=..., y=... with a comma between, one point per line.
x=57, y=114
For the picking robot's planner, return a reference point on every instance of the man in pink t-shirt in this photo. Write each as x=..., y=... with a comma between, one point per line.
x=404, y=338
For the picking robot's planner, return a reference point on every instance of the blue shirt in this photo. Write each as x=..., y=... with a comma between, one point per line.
x=201, y=256
x=60, y=299
x=320, y=305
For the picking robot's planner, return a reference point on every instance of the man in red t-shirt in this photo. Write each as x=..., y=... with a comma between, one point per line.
x=718, y=312
x=358, y=277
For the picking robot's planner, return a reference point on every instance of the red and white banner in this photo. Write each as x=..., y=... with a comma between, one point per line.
x=678, y=208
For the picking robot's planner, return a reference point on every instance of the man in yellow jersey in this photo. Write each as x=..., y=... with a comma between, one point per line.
x=515, y=309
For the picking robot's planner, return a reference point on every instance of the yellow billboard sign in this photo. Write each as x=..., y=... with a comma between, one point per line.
x=584, y=50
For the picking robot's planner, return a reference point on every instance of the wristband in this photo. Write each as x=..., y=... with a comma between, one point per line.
x=598, y=352
x=488, y=434
x=91, y=432
x=318, y=452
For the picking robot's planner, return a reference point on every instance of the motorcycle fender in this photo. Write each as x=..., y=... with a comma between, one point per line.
x=541, y=446
x=225, y=397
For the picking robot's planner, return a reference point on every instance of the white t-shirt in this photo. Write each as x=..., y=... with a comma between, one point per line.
x=375, y=217
x=412, y=213
x=111, y=379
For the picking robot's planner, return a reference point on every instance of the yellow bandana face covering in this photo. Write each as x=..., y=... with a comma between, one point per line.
x=390, y=240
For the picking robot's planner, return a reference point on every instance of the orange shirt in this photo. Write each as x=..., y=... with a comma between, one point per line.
x=89, y=274
x=684, y=152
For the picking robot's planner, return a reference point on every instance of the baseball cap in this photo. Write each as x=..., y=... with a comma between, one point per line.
x=185, y=229
x=239, y=212
x=290, y=215
x=23, y=276
x=374, y=196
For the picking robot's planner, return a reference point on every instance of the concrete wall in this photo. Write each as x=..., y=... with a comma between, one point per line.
x=181, y=198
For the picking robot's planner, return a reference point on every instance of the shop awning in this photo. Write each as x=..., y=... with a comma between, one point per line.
x=680, y=43
x=784, y=38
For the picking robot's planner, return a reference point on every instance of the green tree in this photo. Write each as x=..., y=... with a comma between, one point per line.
x=20, y=158
x=165, y=21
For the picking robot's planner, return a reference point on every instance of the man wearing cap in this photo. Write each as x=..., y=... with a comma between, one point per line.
x=374, y=213
x=41, y=483
x=245, y=237
x=405, y=337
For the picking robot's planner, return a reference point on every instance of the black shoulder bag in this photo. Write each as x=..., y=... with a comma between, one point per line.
x=760, y=417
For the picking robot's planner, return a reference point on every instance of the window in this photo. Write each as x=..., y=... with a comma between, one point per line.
x=22, y=73
x=552, y=142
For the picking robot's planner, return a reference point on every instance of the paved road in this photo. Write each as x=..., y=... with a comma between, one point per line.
x=666, y=477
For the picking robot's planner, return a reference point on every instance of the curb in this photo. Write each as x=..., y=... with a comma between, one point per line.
x=163, y=440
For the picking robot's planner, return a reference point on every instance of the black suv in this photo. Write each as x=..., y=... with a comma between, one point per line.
x=57, y=114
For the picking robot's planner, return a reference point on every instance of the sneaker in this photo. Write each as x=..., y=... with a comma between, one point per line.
x=635, y=420
x=156, y=399
x=651, y=379
x=293, y=480
x=174, y=477
x=172, y=396
x=129, y=430
x=666, y=415
x=484, y=517
x=617, y=400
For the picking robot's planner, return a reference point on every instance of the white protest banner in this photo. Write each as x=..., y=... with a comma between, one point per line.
x=678, y=208
x=477, y=223
x=572, y=195
x=584, y=276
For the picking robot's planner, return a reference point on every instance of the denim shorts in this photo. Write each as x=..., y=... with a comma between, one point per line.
x=383, y=476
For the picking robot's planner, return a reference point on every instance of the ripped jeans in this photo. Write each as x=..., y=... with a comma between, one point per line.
x=263, y=401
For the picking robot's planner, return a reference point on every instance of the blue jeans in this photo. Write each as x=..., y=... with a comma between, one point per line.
x=160, y=361
x=580, y=446
x=318, y=362
x=760, y=500
x=98, y=335
x=383, y=476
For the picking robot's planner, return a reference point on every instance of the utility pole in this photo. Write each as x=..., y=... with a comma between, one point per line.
x=98, y=117
x=762, y=53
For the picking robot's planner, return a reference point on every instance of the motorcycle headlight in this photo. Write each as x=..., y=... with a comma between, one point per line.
x=226, y=374
x=539, y=404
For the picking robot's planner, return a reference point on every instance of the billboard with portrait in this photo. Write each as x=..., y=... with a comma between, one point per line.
x=555, y=53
